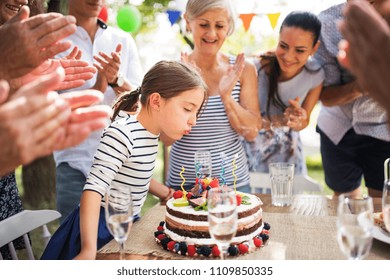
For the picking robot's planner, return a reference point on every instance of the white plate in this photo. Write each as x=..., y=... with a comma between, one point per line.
x=381, y=235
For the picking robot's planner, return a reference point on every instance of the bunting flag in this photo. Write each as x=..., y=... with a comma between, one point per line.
x=173, y=16
x=246, y=20
x=273, y=19
x=103, y=15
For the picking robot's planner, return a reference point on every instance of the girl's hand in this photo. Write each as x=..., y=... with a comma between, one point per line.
x=231, y=77
x=295, y=114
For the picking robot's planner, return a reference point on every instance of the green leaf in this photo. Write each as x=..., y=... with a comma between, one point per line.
x=201, y=207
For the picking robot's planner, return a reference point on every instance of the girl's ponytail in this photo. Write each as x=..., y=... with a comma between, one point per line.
x=168, y=78
x=127, y=101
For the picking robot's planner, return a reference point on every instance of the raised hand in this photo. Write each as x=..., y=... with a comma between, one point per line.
x=76, y=73
x=35, y=121
x=108, y=65
x=84, y=118
x=231, y=77
x=37, y=38
x=295, y=114
x=74, y=54
x=366, y=47
x=31, y=121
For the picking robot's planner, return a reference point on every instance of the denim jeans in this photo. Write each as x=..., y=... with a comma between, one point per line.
x=244, y=189
x=69, y=185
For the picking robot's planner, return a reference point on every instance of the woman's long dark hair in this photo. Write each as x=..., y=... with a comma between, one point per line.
x=36, y=7
x=168, y=78
x=304, y=20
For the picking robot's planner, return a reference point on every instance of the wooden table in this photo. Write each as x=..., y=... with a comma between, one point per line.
x=303, y=206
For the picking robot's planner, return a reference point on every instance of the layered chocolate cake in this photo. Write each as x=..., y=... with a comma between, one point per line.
x=186, y=231
x=190, y=225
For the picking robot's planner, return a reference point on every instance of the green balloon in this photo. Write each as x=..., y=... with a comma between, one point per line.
x=129, y=18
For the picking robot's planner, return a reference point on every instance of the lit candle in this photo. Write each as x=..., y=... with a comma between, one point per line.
x=184, y=180
x=223, y=171
x=234, y=174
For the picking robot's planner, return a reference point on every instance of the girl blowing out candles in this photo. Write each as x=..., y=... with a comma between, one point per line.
x=170, y=96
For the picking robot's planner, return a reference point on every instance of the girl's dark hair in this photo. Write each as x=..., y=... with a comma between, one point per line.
x=304, y=20
x=168, y=78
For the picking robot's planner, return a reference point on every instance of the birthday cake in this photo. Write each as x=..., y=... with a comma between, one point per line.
x=185, y=230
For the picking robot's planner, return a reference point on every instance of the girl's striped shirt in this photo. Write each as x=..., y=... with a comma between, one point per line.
x=126, y=157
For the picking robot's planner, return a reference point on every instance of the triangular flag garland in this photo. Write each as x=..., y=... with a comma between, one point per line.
x=173, y=15
x=103, y=14
x=246, y=20
x=273, y=19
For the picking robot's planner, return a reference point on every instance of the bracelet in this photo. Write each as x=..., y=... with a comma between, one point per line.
x=113, y=85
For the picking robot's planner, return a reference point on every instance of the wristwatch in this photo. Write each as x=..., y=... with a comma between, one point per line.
x=120, y=81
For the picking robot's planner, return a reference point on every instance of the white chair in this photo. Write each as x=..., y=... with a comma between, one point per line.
x=261, y=183
x=21, y=224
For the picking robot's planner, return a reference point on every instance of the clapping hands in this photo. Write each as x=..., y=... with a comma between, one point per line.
x=38, y=38
x=35, y=120
x=296, y=116
x=108, y=65
x=76, y=71
x=231, y=77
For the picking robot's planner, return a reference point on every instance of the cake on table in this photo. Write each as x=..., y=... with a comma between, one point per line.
x=185, y=230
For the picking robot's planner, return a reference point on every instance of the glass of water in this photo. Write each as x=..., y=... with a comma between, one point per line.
x=119, y=215
x=203, y=161
x=222, y=216
x=386, y=196
x=355, y=225
x=386, y=205
x=282, y=179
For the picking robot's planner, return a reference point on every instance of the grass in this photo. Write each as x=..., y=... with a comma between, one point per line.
x=314, y=170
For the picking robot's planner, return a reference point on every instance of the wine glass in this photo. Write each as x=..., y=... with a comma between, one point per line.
x=203, y=160
x=386, y=196
x=386, y=205
x=355, y=225
x=222, y=216
x=119, y=214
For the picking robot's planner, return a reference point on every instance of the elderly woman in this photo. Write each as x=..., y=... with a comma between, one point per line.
x=231, y=110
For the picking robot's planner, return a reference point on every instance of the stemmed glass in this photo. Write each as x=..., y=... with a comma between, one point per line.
x=119, y=214
x=222, y=216
x=355, y=225
x=203, y=160
x=386, y=205
x=386, y=197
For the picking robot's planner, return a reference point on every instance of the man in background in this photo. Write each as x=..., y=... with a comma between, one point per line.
x=354, y=131
x=114, y=54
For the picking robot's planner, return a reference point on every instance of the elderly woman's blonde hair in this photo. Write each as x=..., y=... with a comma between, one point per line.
x=196, y=8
